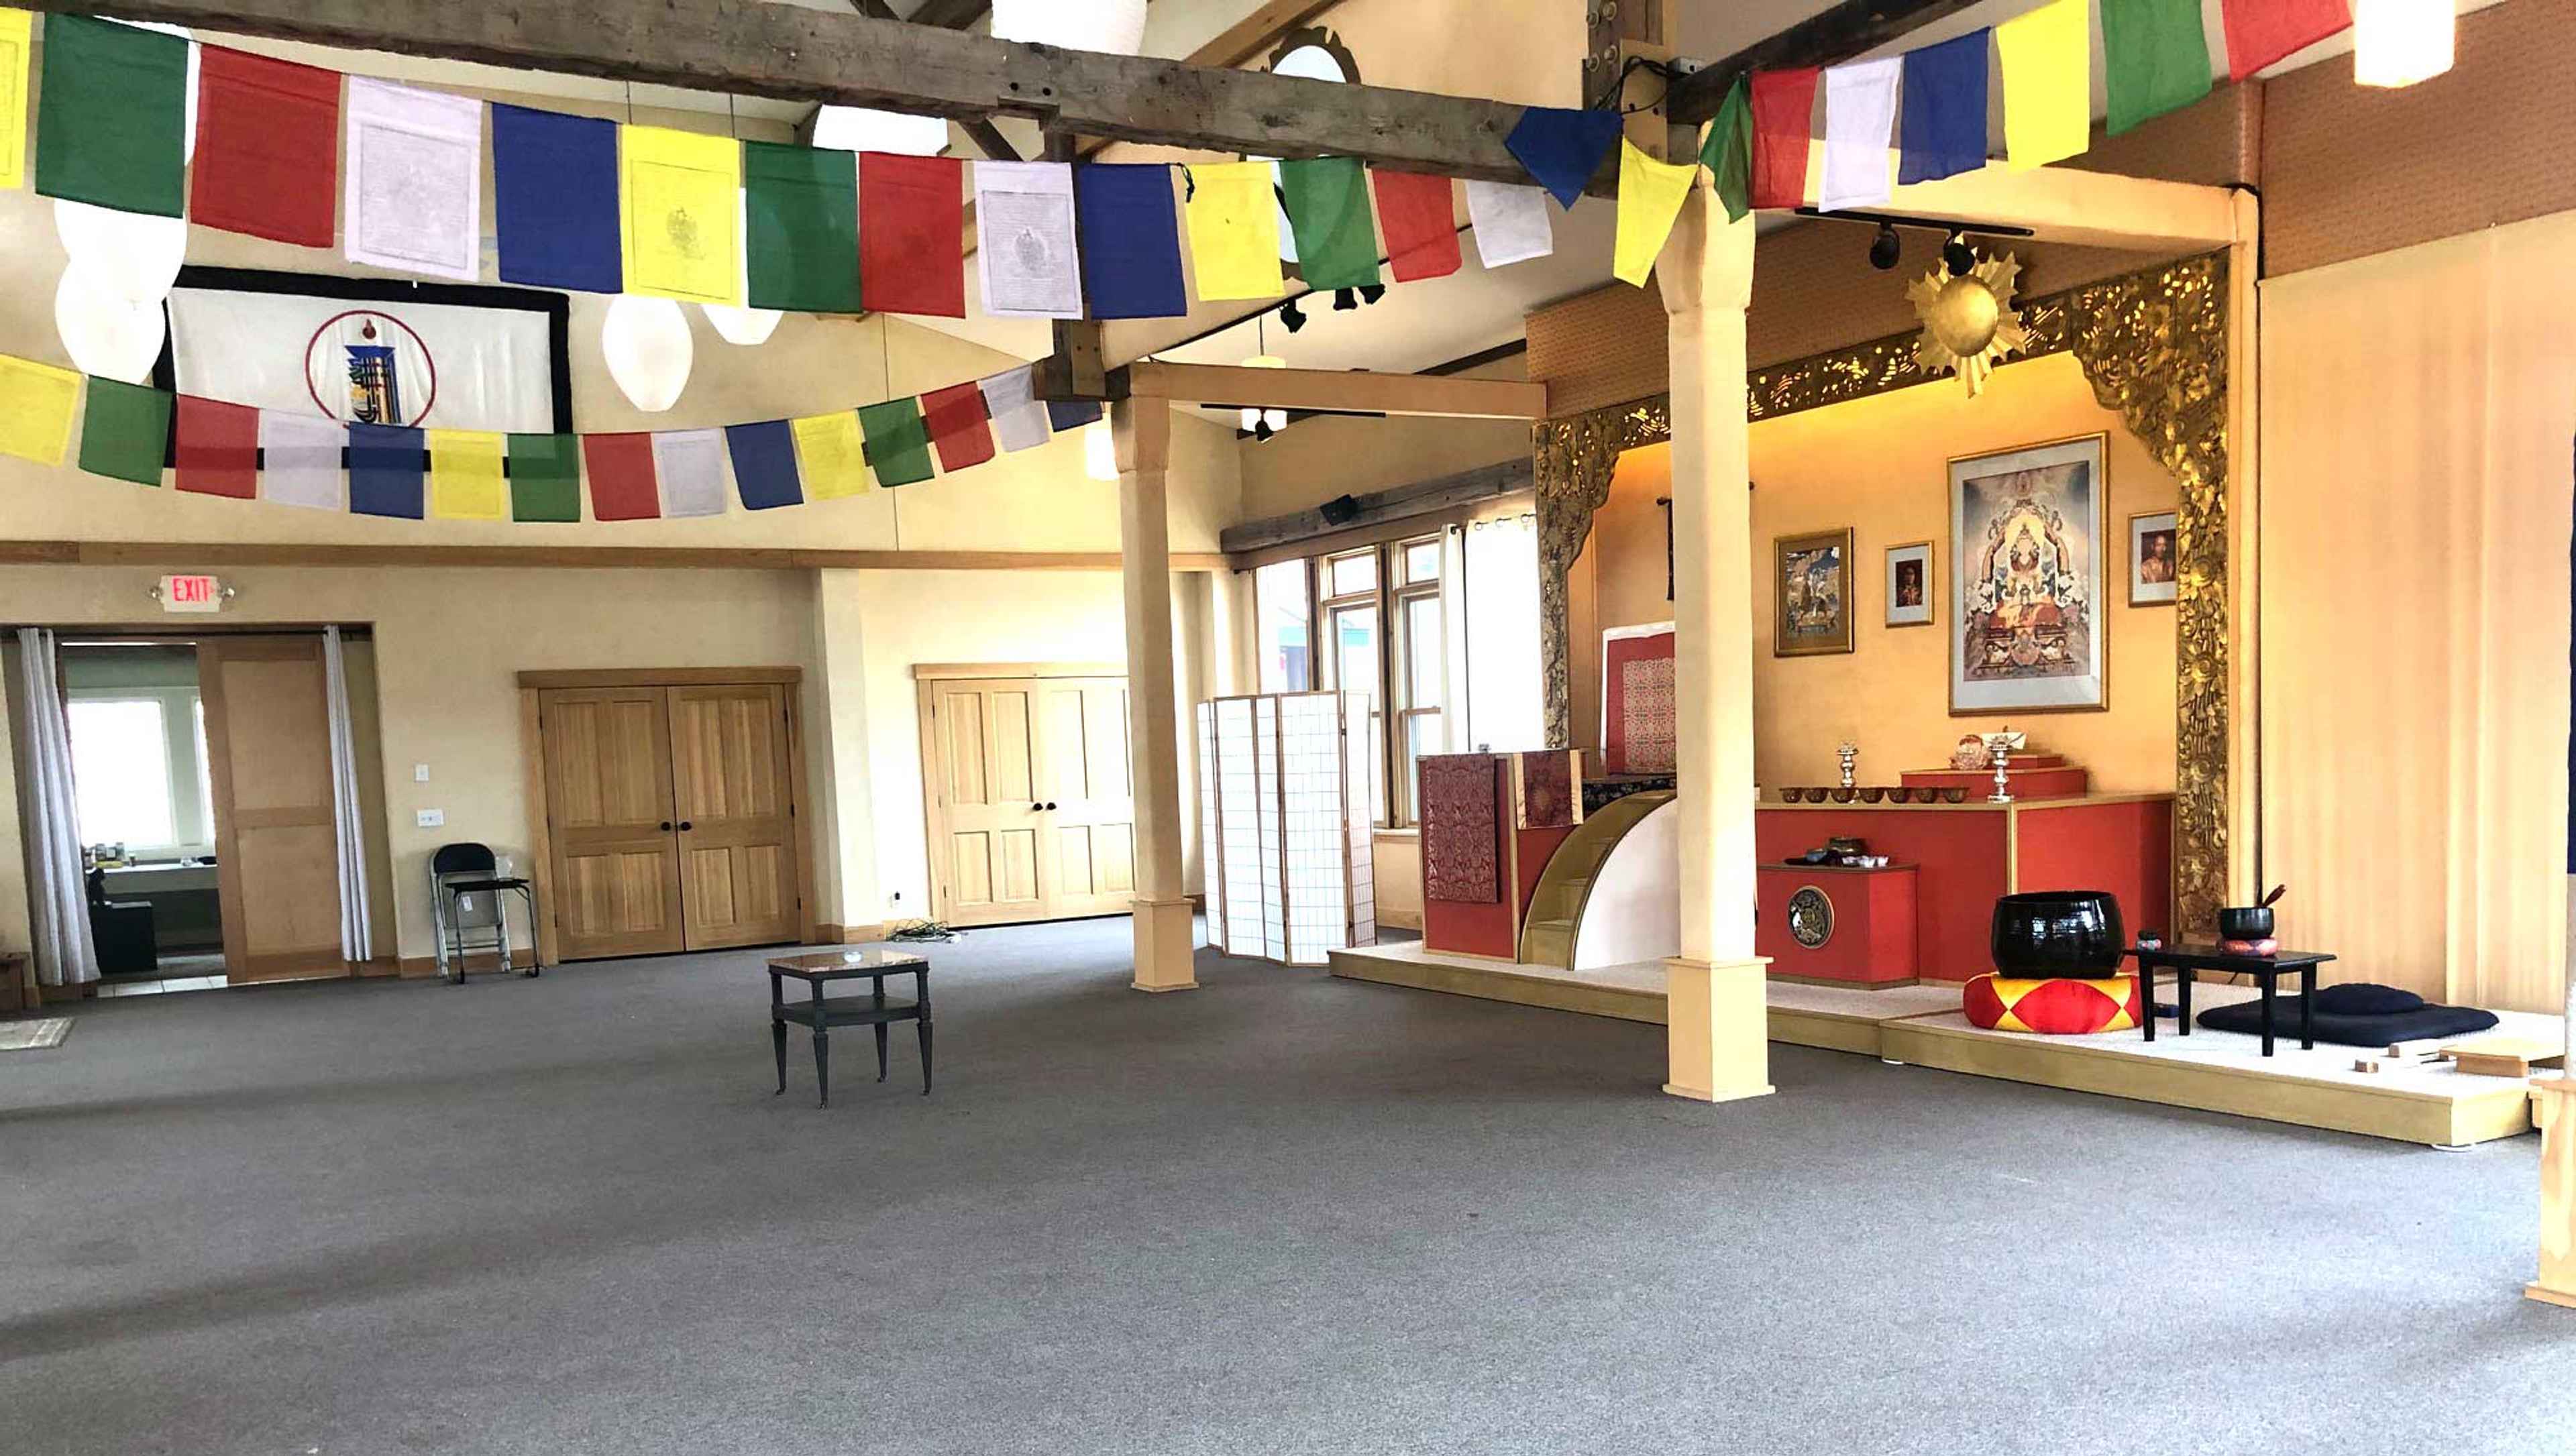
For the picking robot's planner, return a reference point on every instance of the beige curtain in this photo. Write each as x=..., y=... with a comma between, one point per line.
x=2419, y=410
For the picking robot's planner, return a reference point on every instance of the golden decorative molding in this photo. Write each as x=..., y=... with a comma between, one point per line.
x=2153, y=344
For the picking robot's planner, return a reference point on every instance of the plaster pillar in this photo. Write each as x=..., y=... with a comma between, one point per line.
x=2554, y=1107
x=1165, y=937
x=1718, y=1034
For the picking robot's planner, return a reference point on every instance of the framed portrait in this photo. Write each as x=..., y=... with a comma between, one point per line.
x=2154, y=559
x=1811, y=593
x=2026, y=580
x=1909, y=585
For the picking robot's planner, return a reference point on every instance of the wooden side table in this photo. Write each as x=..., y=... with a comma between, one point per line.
x=872, y=963
x=2186, y=961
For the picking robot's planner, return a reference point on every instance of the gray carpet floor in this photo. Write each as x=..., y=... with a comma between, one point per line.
x=1282, y=1213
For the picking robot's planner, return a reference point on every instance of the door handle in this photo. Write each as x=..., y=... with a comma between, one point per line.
x=685, y=826
x=1036, y=808
x=1050, y=806
x=666, y=826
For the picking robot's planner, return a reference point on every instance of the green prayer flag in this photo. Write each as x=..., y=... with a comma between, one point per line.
x=125, y=431
x=545, y=478
x=1328, y=208
x=109, y=121
x=2156, y=56
x=898, y=441
x=1728, y=156
x=801, y=207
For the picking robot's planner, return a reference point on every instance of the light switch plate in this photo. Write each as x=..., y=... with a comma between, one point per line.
x=432, y=818
x=420, y=773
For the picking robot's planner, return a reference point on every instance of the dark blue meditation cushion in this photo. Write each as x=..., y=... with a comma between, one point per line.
x=2361, y=998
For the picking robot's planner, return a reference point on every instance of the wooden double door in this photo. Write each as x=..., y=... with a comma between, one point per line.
x=1032, y=813
x=671, y=818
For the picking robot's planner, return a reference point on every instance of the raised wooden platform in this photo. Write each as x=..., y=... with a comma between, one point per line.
x=2213, y=1071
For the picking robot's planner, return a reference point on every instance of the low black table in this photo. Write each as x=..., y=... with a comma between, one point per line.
x=875, y=963
x=2187, y=961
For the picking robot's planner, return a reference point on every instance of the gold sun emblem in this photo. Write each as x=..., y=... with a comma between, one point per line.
x=1969, y=322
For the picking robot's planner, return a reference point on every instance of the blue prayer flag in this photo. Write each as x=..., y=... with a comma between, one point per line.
x=1562, y=149
x=1130, y=240
x=1071, y=414
x=388, y=471
x=1942, y=131
x=764, y=464
x=554, y=200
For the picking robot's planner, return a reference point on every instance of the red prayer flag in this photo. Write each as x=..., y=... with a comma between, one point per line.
x=623, y=486
x=1784, y=111
x=960, y=425
x=2260, y=32
x=268, y=147
x=218, y=448
x=1419, y=215
x=912, y=216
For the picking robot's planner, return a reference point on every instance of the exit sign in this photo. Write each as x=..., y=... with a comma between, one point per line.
x=191, y=594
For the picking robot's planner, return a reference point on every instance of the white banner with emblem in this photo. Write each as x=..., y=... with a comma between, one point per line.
x=444, y=366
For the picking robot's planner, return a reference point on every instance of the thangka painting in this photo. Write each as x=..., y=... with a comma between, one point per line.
x=1638, y=721
x=1811, y=595
x=2026, y=580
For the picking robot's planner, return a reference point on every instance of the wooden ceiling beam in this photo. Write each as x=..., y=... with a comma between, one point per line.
x=796, y=54
x=1851, y=28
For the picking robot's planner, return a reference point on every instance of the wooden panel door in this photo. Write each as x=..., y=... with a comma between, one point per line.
x=1087, y=830
x=277, y=844
x=732, y=785
x=979, y=757
x=609, y=821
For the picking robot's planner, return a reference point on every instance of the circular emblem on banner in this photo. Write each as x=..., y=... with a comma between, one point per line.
x=1811, y=917
x=370, y=368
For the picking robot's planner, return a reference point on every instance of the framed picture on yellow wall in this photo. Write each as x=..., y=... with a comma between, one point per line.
x=1811, y=593
x=2026, y=580
x=2152, y=559
x=1909, y=584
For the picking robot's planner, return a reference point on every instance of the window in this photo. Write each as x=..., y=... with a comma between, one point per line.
x=1384, y=632
x=139, y=769
x=1284, y=608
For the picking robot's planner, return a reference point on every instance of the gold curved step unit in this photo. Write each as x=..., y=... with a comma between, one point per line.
x=1556, y=906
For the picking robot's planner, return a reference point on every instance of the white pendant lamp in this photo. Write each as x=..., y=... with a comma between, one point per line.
x=134, y=254
x=1100, y=451
x=735, y=323
x=1253, y=415
x=106, y=333
x=649, y=351
x=1115, y=26
x=2401, y=42
x=859, y=129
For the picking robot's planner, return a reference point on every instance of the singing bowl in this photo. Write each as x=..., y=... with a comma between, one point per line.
x=1872, y=796
x=2057, y=933
x=1955, y=796
x=2245, y=922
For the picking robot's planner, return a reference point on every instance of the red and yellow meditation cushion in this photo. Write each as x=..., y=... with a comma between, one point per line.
x=2056, y=1006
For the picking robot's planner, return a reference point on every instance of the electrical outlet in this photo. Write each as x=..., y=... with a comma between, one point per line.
x=432, y=818
x=420, y=773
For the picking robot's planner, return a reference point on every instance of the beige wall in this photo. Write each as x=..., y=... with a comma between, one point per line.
x=1881, y=466
x=1315, y=460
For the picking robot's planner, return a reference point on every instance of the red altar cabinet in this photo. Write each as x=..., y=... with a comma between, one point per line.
x=1839, y=926
x=1490, y=821
x=1963, y=857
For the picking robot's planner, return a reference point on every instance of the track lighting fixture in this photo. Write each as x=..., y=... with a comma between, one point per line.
x=1372, y=293
x=1345, y=301
x=1261, y=429
x=1957, y=256
x=1292, y=316
x=1887, y=249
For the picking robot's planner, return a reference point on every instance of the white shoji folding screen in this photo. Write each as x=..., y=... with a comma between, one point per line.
x=1284, y=795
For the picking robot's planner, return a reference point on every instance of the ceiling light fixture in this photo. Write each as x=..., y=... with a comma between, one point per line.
x=1372, y=293
x=1957, y=256
x=1292, y=316
x=1345, y=300
x=649, y=350
x=1887, y=249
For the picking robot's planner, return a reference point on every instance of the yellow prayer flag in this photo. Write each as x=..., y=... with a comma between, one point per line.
x=17, y=31
x=682, y=195
x=37, y=402
x=830, y=455
x=465, y=476
x=2048, y=83
x=1651, y=194
x=1234, y=230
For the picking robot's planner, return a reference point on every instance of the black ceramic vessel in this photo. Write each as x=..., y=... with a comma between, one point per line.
x=2057, y=933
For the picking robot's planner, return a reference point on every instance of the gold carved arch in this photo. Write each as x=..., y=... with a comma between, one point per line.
x=2153, y=344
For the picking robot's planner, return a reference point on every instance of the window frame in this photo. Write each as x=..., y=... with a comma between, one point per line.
x=1391, y=707
x=184, y=751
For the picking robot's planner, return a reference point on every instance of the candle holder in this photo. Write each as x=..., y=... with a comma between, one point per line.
x=2002, y=745
x=1849, y=752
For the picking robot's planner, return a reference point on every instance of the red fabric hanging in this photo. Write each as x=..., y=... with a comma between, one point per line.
x=1418, y=214
x=268, y=147
x=960, y=425
x=1784, y=112
x=912, y=219
x=623, y=485
x=2260, y=32
x=218, y=448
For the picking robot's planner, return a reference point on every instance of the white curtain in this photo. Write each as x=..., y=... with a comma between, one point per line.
x=1504, y=707
x=64, y=953
x=356, y=944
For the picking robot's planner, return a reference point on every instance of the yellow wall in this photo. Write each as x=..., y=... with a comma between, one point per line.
x=1880, y=466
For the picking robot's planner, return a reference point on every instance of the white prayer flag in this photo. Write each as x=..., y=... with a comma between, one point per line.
x=299, y=460
x=1019, y=416
x=1024, y=240
x=414, y=196
x=1860, y=116
x=1511, y=223
x=691, y=464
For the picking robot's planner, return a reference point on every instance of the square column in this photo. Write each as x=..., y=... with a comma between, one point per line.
x=1165, y=936
x=1719, y=1030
